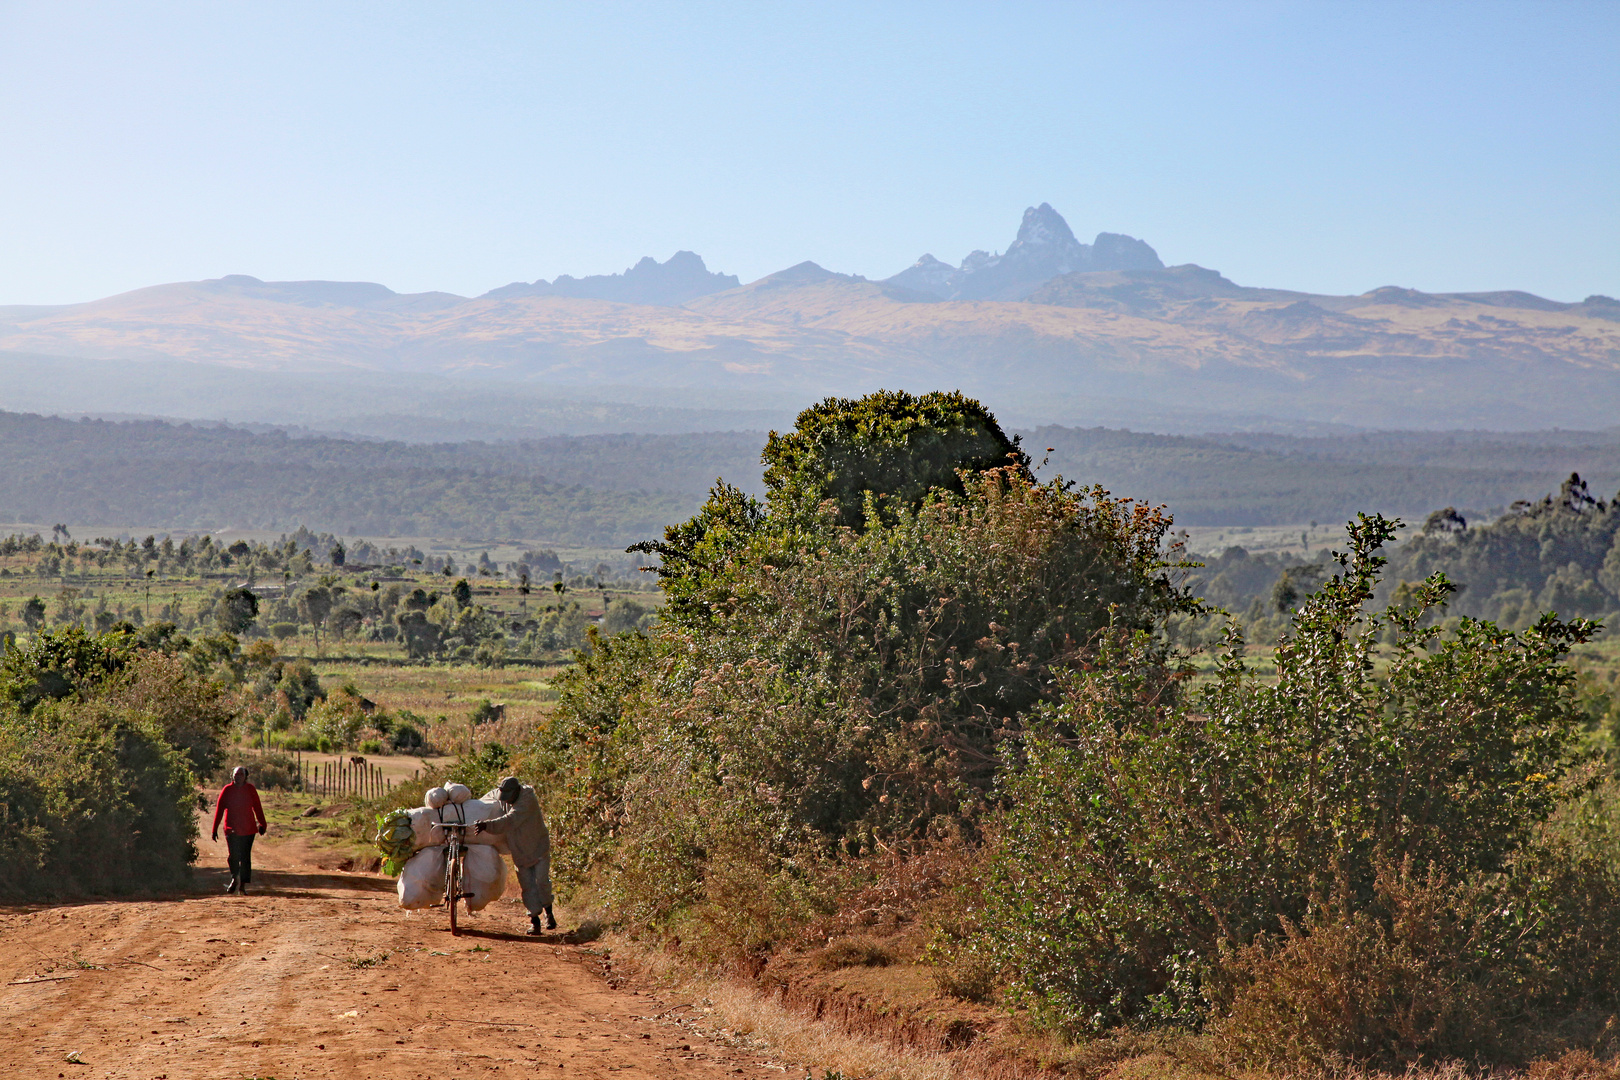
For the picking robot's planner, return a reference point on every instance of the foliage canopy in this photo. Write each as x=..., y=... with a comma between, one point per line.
x=1149, y=834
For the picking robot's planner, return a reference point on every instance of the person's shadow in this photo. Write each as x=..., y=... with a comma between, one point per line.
x=295, y=883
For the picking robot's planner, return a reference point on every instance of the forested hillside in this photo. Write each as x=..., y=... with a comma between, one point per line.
x=1261, y=479
x=613, y=490
x=598, y=490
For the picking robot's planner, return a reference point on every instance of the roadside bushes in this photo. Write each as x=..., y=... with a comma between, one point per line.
x=100, y=744
x=1384, y=856
x=1493, y=968
x=193, y=712
x=93, y=799
x=1339, y=867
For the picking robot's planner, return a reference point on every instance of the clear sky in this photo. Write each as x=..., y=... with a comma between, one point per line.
x=1331, y=147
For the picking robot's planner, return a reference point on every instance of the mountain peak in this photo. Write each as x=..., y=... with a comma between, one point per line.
x=1044, y=249
x=1045, y=226
x=682, y=277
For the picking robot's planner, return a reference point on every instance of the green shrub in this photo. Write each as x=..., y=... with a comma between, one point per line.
x=1497, y=967
x=406, y=738
x=193, y=710
x=1149, y=832
x=813, y=690
x=334, y=724
x=294, y=740
x=53, y=665
x=92, y=800
x=371, y=746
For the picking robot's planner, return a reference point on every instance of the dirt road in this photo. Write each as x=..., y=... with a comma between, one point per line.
x=317, y=973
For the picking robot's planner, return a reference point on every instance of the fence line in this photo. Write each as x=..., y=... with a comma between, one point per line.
x=342, y=777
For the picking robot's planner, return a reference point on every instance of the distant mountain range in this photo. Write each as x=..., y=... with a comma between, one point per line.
x=680, y=278
x=1051, y=330
x=1045, y=249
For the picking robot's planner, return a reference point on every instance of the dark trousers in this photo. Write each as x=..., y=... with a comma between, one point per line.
x=240, y=856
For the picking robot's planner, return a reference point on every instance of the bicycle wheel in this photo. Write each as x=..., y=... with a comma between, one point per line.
x=452, y=884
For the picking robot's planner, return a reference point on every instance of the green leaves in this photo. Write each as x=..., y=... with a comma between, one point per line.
x=1146, y=828
x=59, y=664
x=843, y=666
x=395, y=839
x=889, y=447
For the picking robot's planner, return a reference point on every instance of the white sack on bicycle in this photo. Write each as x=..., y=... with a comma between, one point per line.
x=425, y=835
x=421, y=882
x=483, y=876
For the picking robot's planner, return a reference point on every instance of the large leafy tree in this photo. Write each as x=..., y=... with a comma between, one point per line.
x=844, y=663
x=888, y=447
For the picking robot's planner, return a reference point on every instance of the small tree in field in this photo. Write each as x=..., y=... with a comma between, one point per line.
x=316, y=604
x=235, y=611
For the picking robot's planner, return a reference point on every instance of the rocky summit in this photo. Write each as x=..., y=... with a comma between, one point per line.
x=1045, y=248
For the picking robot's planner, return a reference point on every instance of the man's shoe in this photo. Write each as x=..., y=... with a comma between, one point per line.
x=232, y=887
x=551, y=922
x=242, y=888
x=534, y=924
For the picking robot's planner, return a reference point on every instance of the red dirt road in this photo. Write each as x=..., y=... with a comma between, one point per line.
x=317, y=973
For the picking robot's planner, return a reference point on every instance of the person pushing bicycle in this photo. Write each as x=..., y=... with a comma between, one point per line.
x=527, y=838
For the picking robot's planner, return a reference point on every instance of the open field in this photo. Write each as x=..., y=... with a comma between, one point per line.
x=83, y=590
x=444, y=695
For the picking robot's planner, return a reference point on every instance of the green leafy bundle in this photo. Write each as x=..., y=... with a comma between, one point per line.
x=395, y=839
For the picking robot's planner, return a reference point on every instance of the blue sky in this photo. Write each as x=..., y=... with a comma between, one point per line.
x=1327, y=147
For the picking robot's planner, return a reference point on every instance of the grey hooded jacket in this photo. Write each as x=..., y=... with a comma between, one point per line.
x=524, y=827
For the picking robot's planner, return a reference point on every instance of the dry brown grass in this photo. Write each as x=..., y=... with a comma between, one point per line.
x=740, y=1011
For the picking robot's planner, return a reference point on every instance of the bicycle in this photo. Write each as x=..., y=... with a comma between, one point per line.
x=455, y=849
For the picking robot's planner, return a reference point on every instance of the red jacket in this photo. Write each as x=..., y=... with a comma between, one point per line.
x=239, y=805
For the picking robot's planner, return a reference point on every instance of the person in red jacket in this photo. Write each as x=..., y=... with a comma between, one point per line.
x=238, y=804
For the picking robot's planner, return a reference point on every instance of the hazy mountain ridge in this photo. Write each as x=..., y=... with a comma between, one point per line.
x=670, y=283
x=1181, y=337
x=1045, y=248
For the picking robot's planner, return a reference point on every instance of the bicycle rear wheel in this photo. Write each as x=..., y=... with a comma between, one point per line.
x=452, y=884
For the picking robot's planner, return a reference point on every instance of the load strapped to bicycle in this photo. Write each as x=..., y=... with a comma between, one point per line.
x=439, y=856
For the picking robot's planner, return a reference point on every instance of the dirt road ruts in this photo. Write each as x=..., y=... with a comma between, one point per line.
x=317, y=973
